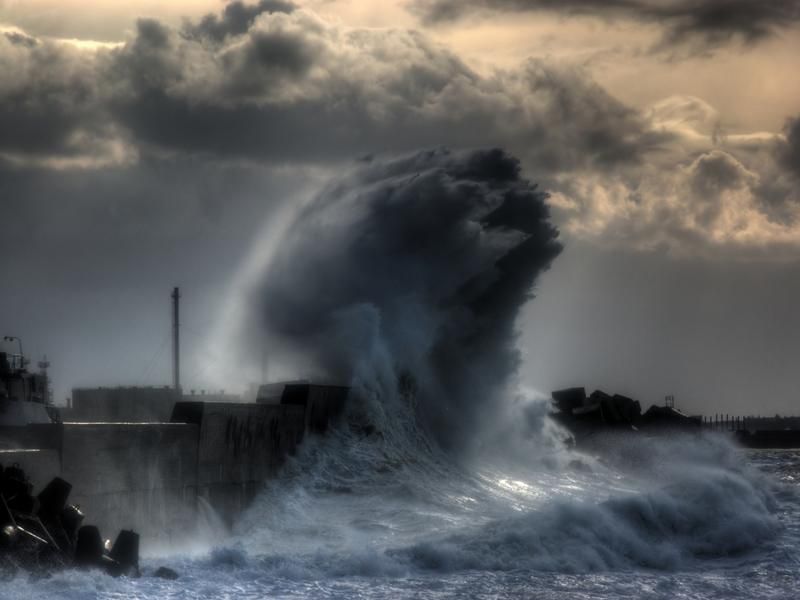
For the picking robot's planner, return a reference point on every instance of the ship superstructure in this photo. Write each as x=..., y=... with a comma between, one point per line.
x=24, y=396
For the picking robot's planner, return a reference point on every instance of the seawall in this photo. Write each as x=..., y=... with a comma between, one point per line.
x=152, y=477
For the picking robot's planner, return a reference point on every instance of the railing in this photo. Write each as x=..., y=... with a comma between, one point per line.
x=721, y=422
x=725, y=422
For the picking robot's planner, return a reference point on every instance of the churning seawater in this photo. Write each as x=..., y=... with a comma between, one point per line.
x=359, y=516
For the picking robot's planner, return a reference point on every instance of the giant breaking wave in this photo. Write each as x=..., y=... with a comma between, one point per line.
x=405, y=278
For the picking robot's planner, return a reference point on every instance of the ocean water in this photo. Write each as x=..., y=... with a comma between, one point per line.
x=383, y=516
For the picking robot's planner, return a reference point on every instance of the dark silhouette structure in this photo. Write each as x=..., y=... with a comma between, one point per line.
x=585, y=415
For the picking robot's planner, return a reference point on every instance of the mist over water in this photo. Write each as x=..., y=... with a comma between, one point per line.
x=404, y=278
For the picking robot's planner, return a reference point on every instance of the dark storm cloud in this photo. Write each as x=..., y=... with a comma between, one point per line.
x=236, y=18
x=266, y=60
x=709, y=178
x=15, y=37
x=790, y=150
x=294, y=87
x=715, y=172
x=708, y=23
x=778, y=191
x=718, y=21
x=151, y=34
x=48, y=98
x=415, y=266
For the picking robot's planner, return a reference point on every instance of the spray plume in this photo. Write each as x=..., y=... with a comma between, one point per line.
x=409, y=273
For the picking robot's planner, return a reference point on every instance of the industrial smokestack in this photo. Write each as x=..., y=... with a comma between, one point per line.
x=176, y=340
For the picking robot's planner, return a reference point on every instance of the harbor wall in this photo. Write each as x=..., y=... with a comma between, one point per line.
x=322, y=403
x=140, y=476
x=121, y=404
x=153, y=477
x=40, y=436
x=239, y=447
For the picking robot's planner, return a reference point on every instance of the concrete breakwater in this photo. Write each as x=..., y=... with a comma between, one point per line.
x=154, y=476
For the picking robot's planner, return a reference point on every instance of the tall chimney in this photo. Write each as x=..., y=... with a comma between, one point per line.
x=176, y=340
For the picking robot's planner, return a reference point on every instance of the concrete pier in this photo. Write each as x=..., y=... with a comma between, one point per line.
x=140, y=476
x=239, y=446
x=151, y=476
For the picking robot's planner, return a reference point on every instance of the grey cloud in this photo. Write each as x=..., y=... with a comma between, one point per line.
x=710, y=176
x=778, y=191
x=236, y=19
x=718, y=21
x=297, y=88
x=284, y=52
x=15, y=37
x=266, y=60
x=707, y=23
x=715, y=172
x=724, y=201
x=436, y=11
x=789, y=152
x=151, y=61
x=48, y=99
x=151, y=34
x=294, y=87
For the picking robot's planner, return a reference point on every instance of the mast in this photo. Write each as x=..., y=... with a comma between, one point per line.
x=44, y=364
x=176, y=340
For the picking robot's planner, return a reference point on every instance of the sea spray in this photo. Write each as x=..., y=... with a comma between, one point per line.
x=410, y=268
x=347, y=507
x=404, y=278
x=704, y=503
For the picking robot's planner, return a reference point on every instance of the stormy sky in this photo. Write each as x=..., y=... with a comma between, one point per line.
x=150, y=144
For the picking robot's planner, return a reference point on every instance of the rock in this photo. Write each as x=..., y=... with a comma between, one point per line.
x=165, y=573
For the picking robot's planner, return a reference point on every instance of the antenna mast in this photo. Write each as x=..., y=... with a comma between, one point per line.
x=176, y=340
